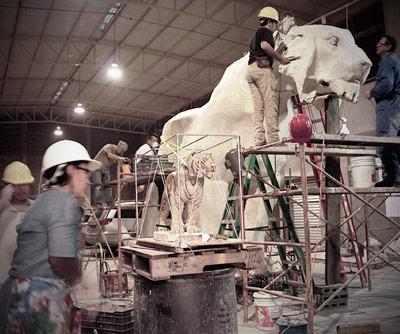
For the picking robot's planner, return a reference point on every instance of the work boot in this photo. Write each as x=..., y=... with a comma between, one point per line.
x=387, y=183
x=277, y=145
x=260, y=143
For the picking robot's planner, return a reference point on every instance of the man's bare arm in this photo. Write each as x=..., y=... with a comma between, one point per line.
x=271, y=52
x=115, y=157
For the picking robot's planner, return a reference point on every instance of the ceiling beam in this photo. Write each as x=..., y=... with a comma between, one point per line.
x=17, y=22
x=62, y=115
x=127, y=108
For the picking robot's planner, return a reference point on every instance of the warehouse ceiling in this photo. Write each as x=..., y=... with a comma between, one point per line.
x=55, y=53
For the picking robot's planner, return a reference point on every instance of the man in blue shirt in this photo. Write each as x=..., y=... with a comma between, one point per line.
x=387, y=96
x=261, y=79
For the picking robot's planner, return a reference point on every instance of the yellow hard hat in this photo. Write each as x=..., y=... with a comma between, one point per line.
x=17, y=173
x=270, y=13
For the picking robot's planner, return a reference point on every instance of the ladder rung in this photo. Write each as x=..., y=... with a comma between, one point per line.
x=228, y=221
x=319, y=260
x=317, y=120
x=300, y=104
x=297, y=283
x=276, y=219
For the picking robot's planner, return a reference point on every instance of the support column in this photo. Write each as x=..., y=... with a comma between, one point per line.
x=391, y=14
x=24, y=143
x=332, y=264
x=307, y=240
x=88, y=141
x=88, y=145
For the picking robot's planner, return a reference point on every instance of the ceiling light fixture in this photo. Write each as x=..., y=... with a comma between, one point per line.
x=79, y=109
x=58, y=131
x=114, y=11
x=60, y=91
x=114, y=71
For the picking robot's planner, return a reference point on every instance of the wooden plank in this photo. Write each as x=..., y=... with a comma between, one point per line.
x=174, y=246
x=355, y=140
x=328, y=151
x=147, y=275
x=143, y=177
x=359, y=328
x=297, y=284
x=317, y=191
x=146, y=252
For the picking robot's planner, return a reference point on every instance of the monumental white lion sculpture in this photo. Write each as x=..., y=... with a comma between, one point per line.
x=330, y=63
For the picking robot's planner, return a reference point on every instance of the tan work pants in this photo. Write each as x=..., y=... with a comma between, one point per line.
x=262, y=86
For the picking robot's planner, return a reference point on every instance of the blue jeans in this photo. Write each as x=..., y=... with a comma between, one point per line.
x=102, y=182
x=388, y=125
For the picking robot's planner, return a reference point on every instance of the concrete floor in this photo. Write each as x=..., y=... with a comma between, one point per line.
x=381, y=304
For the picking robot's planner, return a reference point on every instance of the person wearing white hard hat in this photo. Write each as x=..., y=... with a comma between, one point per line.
x=261, y=78
x=108, y=155
x=36, y=297
x=14, y=202
x=145, y=157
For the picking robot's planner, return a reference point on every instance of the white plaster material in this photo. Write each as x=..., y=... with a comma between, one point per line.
x=344, y=130
x=330, y=63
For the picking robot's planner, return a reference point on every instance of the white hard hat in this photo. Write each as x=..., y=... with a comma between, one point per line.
x=65, y=151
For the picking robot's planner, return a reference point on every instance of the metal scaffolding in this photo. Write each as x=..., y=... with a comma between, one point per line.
x=301, y=151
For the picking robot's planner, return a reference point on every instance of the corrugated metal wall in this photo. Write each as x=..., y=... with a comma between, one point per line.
x=317, y=230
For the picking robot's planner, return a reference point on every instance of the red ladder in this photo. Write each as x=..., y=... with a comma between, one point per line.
x=345, y=199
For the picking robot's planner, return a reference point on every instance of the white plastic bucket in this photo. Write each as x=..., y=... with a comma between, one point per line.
x=378, y=170
x=363, y=171
x=268, y=310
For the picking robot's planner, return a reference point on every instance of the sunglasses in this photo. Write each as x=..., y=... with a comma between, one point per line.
x=82, y=168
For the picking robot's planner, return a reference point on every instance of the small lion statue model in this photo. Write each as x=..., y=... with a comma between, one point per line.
x=191, y=178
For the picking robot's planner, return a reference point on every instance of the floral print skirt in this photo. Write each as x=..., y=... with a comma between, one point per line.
x=41, y=305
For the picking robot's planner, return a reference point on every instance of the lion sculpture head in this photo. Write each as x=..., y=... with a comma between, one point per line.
x=330, y=62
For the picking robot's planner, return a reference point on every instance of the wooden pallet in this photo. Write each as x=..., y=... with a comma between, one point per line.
x=155, y=264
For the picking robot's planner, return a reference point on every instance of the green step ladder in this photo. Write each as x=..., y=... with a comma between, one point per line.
x=253, y=166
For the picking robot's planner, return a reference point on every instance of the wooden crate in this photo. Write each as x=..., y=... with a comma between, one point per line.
x=156, y=264
x=107, y=322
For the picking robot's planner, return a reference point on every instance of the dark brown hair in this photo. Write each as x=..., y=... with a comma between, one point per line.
x=392, y=41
